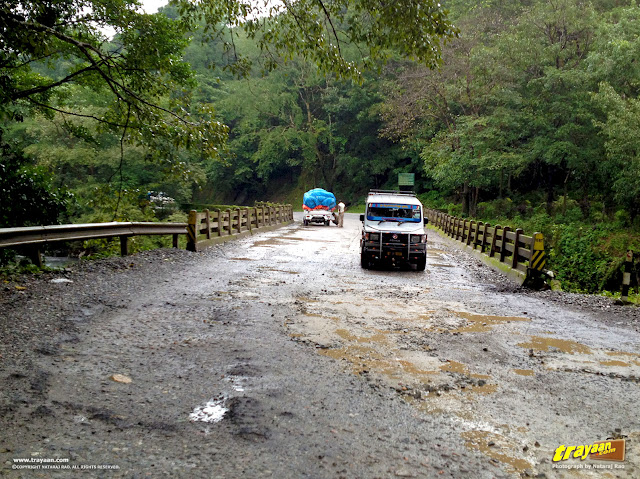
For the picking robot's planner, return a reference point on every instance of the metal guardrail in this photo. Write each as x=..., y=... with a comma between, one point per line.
x=33, y=237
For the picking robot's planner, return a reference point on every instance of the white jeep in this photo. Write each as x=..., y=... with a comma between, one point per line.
x=393, y=230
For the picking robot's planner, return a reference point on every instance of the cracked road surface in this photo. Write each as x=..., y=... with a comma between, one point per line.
x=278, y=356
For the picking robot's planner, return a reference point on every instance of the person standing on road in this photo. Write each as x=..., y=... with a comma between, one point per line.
x=341, y=207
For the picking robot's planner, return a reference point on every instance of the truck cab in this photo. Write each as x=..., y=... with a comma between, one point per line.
x=393, y=230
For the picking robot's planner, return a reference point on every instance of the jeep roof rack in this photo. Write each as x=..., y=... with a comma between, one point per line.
x=392, y=192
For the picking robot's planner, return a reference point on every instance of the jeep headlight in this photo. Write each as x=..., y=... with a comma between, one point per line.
x=418, y=239
x=373, y=236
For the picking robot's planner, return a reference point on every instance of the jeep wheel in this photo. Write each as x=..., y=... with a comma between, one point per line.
x=421, y=264
x=364, y=262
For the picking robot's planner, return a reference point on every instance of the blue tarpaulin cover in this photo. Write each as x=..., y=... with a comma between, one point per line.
x=317, y=199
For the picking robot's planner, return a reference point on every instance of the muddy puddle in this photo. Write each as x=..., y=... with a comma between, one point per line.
x=544, y=344
x=479, y=323
x=496, y=447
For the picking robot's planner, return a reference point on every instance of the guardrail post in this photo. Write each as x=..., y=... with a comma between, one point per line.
x=503, y=249
x=494, y=236
x=471, y=232
x=516, y=247
x=483, y=244
x=124, y=246
x=230, y=221
x=626, y=276
x=192, y=233
x=175, y=240
x=208, y=222
x=220, y=222
x=476, y=241
x=34, y=254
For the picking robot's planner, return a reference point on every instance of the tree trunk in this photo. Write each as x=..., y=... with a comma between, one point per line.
x=550, y=196
x=474, y=204
x=465, y=198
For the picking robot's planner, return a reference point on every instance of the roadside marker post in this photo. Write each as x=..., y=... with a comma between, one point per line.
x=538, y=257
x=626, y=276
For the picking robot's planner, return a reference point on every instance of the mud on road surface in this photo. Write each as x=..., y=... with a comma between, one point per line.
x=278, y=356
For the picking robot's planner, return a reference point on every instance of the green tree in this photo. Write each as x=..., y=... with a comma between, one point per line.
x=140, y=71
x=614, y=62
x=322, y=31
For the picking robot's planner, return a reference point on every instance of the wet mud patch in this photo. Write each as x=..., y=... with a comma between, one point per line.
x=246, y=416
x=481, y=323
x=389, y=367
x=542, y=344
x=497, y=447
x=565, y=355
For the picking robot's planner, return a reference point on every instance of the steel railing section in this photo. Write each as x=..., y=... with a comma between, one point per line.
x=34, y=235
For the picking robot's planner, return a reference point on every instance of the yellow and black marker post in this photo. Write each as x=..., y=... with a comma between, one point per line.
x=537, y=263
x=538, y=257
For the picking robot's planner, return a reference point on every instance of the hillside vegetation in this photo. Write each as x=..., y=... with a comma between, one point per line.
x=527, y=115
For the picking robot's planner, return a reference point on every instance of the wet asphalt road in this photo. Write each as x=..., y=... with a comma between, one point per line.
x=305, y=365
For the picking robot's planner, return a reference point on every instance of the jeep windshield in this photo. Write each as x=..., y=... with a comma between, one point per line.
x=393, y=212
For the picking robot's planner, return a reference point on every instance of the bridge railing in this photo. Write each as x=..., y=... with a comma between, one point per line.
x=510, y=247
x=210, y=227
x=202, y=229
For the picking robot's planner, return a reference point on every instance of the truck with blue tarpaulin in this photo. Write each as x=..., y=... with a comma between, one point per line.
x=318, y=205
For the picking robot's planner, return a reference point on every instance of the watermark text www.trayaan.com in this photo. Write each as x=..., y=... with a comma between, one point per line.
x=56, y=463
